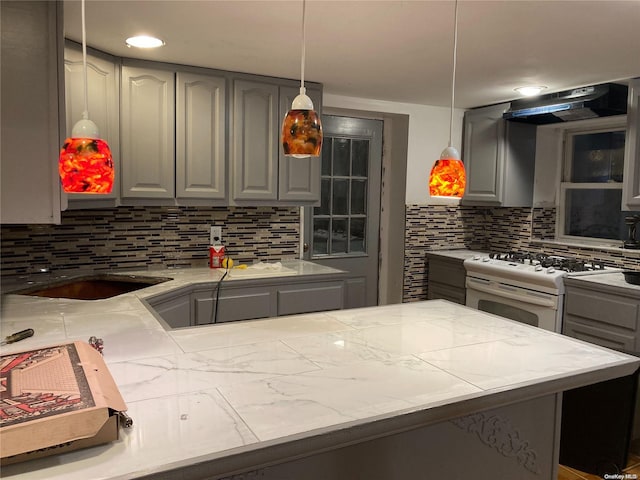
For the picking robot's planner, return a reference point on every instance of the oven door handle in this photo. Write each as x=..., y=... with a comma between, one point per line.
x=500, y=291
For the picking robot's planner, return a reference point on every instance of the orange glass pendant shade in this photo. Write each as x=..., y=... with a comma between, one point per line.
x=86, y=166
x=448, y=177
x=302, y=133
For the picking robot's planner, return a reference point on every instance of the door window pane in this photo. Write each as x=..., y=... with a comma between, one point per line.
x=325, y=198
x=357, y=235
x=339, y=236
x=358, y=197
x=340, y=222
x=321, y=236
x=592, y=212
x=340, y=197
x=341, y=157
x=360, y=158
x=327, y=145
x=597, y=157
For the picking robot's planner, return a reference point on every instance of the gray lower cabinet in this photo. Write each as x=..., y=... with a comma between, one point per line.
x=310, y=297
x=446, y=279
x=600, y=317
x=174, y=307
x=233, y=304
x=247, y=300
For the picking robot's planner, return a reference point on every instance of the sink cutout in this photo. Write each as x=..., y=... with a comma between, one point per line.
x=93, y=287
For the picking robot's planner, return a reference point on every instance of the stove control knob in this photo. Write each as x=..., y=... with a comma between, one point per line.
x=551, y=270
x=485, y=259
x=538, y=268
x=476, y=257
x=535, y=262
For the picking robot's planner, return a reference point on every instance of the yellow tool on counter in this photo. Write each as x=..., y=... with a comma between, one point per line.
x=227, y=262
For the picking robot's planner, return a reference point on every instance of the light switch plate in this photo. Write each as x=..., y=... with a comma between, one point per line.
x=216, y=235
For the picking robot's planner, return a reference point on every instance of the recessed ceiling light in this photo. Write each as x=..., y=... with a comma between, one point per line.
x=144, y=41
x=530, y=91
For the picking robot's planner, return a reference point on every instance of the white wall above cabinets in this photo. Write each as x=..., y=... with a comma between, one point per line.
x=30, y=75
x=631, y=182
x=499, y=158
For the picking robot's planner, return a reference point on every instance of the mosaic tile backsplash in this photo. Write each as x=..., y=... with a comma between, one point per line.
x=494, y=229
x=175, y=237
x=148, y=237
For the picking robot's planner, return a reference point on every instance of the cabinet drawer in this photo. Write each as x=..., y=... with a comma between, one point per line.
x=310, y=298
x=602, y=308
x=599, y=336
x=233, y=306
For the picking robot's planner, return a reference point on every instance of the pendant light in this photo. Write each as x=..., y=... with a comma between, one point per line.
x=301, y=127
x=85, y=163
x=448, y=177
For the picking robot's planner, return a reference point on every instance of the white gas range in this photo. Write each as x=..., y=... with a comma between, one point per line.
x=525, y=287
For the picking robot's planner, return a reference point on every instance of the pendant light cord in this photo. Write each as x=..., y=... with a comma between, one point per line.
x=302, y=89
x=453, y=74
x=85, y=113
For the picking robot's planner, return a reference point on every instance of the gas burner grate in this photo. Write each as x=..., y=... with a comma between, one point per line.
x=549, y=261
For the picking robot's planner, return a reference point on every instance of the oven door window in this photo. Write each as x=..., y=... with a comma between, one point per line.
x=508, y=311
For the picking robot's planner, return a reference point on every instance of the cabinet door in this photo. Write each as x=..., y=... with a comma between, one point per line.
x=103, y=98
x=200, y=136
x=148, y=115
x=31, y=51
x=483, y=154
x=631, y=185
x=256, y=133
x=298, y=178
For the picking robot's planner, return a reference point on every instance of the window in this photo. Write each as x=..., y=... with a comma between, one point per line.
x=591, y=186
x=340, y=222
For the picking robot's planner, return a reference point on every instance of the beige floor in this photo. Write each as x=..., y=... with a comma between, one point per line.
x=633, y=468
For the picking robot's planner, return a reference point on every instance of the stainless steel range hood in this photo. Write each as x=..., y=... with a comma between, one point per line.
x=576, y=104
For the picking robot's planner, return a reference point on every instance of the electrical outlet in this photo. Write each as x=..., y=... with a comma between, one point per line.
x=216, y=235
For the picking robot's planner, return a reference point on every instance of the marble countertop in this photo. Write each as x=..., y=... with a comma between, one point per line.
x=457, y=254
x=224, y=398
x=613, y=282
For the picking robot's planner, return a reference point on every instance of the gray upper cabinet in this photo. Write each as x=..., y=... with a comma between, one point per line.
x=298, y=178
x=631, y=185
x=103, y=97
x=200, y=136
x=499, y=158
x=255, y=134
x=147, y=133
x=30, y=77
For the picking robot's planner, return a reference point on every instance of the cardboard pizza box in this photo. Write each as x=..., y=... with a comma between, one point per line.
x=56, y=399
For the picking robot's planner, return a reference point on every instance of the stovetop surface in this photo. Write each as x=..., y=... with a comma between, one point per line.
x=535, y=271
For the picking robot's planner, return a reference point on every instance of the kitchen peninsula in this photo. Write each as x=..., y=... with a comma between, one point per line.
x=424, y=389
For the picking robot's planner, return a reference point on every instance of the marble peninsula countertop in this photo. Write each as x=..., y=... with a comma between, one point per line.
x=226, y=398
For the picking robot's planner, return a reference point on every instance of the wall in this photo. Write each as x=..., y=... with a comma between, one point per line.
x=428, y=136
x=148, y=237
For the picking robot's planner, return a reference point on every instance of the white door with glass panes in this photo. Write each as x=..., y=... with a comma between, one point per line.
x=592, y=184
x=343, y=232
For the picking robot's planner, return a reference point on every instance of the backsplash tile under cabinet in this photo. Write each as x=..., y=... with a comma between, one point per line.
x=148, y=237
x=490, y=229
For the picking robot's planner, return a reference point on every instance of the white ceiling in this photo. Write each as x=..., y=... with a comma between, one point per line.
x=396, y=50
